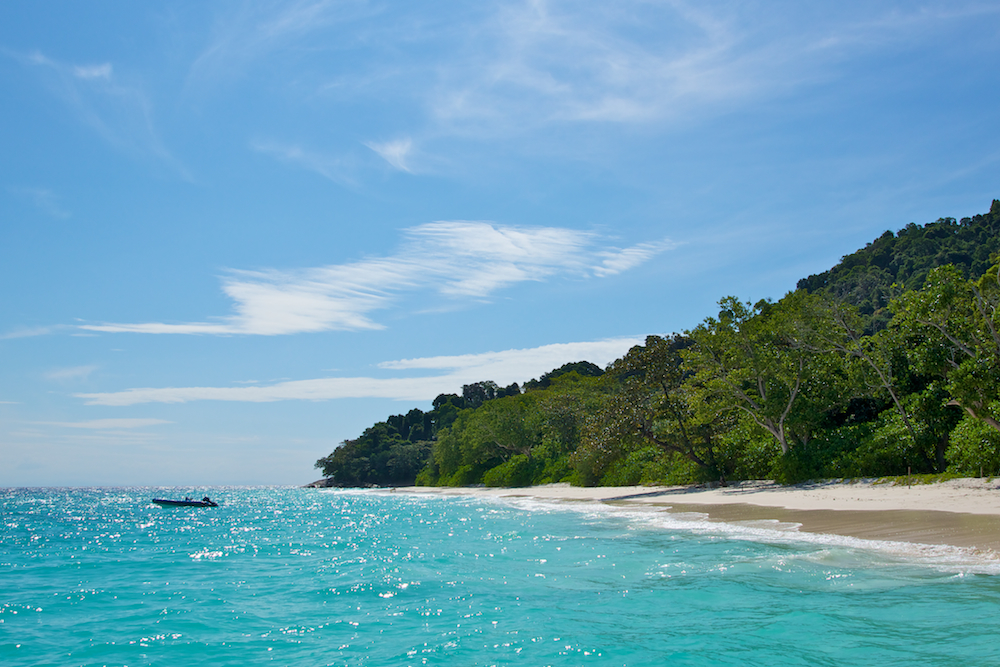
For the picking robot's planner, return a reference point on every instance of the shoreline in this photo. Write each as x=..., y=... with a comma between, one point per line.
x=960, y=512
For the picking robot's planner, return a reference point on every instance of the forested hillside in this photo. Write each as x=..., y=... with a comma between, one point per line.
x=889, y=362
x=872, y=276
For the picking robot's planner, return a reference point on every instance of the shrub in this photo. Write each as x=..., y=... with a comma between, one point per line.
x=517, y=471
x=888, y=449
x=555, y=470
x=975, y=446
x=428, y=476
x=464, y=476
x=837, y=449
x=644, y=465
x=746, y=451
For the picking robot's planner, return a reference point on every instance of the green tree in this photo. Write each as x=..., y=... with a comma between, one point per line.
x=581, y=368
x=478, y=393
x=365, y=460
x=503, y=427
x=650, y=403
x=763, y=361
x=876, y=356
x=958, y=323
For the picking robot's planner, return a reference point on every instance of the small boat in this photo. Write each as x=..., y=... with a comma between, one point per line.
x=204, y=502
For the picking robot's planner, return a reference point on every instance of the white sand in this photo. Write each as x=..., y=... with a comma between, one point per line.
x=960, y=512
x=971, y=496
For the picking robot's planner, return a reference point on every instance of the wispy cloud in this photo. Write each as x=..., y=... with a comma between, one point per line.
x=338, y=169
x=341, y=168
x=546, y=61
x=70, y=373
x=453, y=259
x=30, y=332
x=502, y=367
x=63, y=440
x=110, y=424
x=524, y=68
x=102, y=71
x=258, y=29
x=617, y=261
x=44, y=199
x=120, y=111
x=396, y=153
x=509, y=66
x=539, y=62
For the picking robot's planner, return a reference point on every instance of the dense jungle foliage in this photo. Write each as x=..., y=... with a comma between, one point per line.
x=887, y=363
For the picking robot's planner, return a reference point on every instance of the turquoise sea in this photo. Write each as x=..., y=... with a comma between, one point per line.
x=331, y=577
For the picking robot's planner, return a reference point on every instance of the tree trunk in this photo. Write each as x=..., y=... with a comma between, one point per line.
x=939, y=450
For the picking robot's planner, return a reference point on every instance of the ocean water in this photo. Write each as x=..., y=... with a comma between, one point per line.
x=330, y=577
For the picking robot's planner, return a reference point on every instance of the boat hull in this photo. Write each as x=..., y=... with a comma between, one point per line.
x=183, y=503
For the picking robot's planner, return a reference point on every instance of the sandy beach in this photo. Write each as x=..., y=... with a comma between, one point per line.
x=959, y=512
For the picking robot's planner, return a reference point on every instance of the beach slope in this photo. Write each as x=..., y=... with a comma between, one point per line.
x=958, y=512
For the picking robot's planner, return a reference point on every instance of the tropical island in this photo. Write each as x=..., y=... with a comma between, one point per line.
x=886, y=365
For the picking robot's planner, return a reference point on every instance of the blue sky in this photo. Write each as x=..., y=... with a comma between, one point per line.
x=235, y=234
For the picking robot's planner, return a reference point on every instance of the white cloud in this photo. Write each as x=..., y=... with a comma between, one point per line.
x=617, y=261
x=454, y=259
x=534, y=64
x=543, y=68
x=110, y=424
x=395, y=153
x=30, y=332
x=70, y=374
x=501, y=68
x=103, y=71
x=521, y=365
x=512, y=66
x=541, y=62
x=503, y=367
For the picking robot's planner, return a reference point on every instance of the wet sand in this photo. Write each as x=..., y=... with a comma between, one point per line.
x=979, y=531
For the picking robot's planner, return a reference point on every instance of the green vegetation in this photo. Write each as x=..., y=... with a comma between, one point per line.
x=913, y=480
x=887, y=364
x=871, y=277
